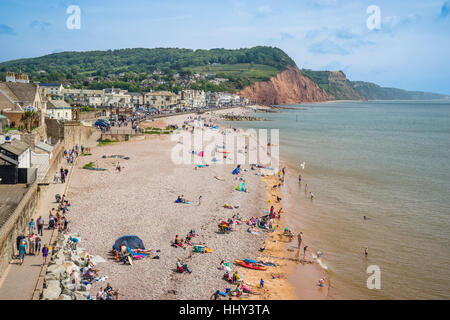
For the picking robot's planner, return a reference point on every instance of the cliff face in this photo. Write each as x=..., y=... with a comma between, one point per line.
x=341, y=88
x=287, y=87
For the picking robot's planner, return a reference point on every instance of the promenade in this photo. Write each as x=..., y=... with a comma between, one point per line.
x=20, y=282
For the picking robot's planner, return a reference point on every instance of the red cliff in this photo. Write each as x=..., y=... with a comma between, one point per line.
x=287, y=87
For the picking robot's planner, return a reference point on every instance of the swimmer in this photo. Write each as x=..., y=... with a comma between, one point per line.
x=321, y=282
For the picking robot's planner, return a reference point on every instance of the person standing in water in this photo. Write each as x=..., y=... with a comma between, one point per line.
x=300, y=178
x=300, y=238
x=366, y=252
x=306, y=188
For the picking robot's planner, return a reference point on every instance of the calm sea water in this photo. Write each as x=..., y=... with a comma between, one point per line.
x=389, y=161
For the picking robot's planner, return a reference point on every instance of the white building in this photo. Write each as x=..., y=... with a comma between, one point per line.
x=193, y=98
x=18, y=151
x=59, y=109
x=54, y=89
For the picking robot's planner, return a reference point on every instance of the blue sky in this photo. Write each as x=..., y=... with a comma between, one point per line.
x=411, y=50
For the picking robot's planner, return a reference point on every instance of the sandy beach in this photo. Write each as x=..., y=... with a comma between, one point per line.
x=139, y=200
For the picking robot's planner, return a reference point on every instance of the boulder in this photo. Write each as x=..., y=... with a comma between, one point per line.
x=50, y=276
x=57, y=270
x=51, y=293
x=69, y=266
x=52, y=283
x=64, y=297
x=80, y=295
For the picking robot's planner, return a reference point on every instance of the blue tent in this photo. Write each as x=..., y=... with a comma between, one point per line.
x=132, y=242
x=236, y=171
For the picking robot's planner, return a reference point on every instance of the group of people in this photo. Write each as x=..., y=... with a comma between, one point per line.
x=234, y=278
x=71, y=155
x=265, y=222
x=184, y=243
x=108, y=293
x=61, y=176
x=182, y=199
x=31, y=243
x=57, y=219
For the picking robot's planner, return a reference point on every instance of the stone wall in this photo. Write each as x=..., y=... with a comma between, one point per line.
x=76, y=134
x=55, y=129
x=122, y=137
x=15, y=225
x=18, y=220
x=92, y=115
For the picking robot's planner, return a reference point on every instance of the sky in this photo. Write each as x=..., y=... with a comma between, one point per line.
x=409, y=48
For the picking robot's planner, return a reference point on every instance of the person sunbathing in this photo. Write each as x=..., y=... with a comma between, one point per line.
x=144, y=251
x=188, y=242
x=177, y=241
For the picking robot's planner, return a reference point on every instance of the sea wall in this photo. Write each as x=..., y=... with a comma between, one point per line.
x=15, y=225
x=120, y=137
x=18, y=220
x=76, y=134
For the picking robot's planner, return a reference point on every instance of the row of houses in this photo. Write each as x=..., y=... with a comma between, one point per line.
x=56, y=101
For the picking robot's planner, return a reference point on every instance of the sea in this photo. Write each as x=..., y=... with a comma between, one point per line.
x=380, y=175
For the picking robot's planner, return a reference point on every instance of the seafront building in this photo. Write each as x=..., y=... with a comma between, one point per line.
x=161, y=100
x=59, y=109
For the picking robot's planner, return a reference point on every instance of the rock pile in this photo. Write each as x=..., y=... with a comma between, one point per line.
x=65, y=258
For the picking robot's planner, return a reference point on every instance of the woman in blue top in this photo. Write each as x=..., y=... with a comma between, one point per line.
x=22, y=251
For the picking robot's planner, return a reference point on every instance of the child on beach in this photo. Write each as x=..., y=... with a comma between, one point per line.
x=45, y=251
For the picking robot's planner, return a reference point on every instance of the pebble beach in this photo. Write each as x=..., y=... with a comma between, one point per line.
x=140, y=200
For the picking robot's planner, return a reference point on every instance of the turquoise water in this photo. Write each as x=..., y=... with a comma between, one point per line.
x=389, y=161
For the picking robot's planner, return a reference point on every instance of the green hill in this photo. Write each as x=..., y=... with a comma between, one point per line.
x=241, y=67
x=337, y=84
x=372, y=91
x=334, y=83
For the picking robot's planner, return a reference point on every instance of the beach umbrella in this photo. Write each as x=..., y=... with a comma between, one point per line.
x=130, y=241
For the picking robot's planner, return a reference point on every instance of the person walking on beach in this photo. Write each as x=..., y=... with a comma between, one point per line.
x=118, y=166
x=45, y=251
x=300, y=178
x=366, y=252
x=40, y=225
x=306, y=189
x=300, y=238
x=199, y=200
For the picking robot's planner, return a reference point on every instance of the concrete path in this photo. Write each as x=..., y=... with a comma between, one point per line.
x=19, y=281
